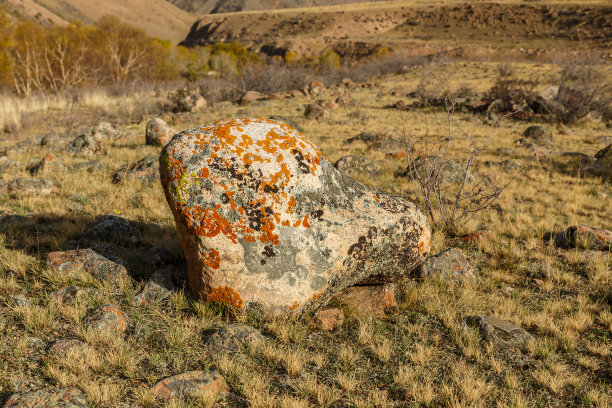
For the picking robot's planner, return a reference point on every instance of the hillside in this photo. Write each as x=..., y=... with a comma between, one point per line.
x=229, y=6
x=158, y=18
x=497, y=25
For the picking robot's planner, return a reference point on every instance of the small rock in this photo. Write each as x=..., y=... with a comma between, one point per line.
x=24, y=186
x=601, y=165
x=316, y=88
x=48, y=163
x=500, y=332
x=537, y=136
x=585, y=237
x=88, y=260
x=328, y=319
x=329, y=105
x=90, y=166
x=63, y=295
x=190, y=384
x=451, y=263
x=104, y=130
x=353, y=165
x=230, y=338
x=369, y=300
x=48, y=398
x=21, y=300
x=86, y=145
x=251, y=96
x=158, y=132
x=5, y=163
x=288, y=121
x=53, y=140
x=158, y=287
x=107, y=317
x=62, y=348
x=146, y=169
x=316, y=111
x=193, y=102
x=112, y=228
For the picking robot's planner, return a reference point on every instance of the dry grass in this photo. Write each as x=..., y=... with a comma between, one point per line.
x=421, y=354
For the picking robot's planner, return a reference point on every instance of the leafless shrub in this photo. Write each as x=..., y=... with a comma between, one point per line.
x=512, y=94
x=431, y=87
x=450, y=203
x=582, y=89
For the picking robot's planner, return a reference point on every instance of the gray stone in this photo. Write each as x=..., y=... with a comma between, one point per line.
x=451, y=263
x=146, y=170
x=500, y=332
x=358, y=165
x=114, y=229
x=24, y=186
x=537, y=136
x=230, y=338
x=48, y=398
x=62, y=348
x=157, y=288
x=105, y=130
x=88, y=260
x=86, y=145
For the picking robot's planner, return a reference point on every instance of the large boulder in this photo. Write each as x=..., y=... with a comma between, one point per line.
x=264, y=218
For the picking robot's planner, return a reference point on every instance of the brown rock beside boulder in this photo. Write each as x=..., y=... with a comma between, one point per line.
x=264, y=219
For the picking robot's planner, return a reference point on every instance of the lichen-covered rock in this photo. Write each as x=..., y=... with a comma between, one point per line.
x=146, y=169
x=48, y=163
x=24, y=186
x=230, y=338
x=88, y=260
x=500, y=332
x=353, y=165
x=262, y=217
x=86, y=145
x=451, y=263
x=190, y=384
x=107, y=317
x=585, y=237
x=158, y=132
x=112, y=228
x=48, y=398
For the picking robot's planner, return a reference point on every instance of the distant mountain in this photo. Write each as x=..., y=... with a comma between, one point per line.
x=159, y=18
x=230, y=6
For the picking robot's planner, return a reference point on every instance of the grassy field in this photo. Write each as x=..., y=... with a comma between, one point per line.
x=421, y=354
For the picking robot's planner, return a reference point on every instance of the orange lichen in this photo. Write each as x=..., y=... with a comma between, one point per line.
x=211, y=258
x=224, y=294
